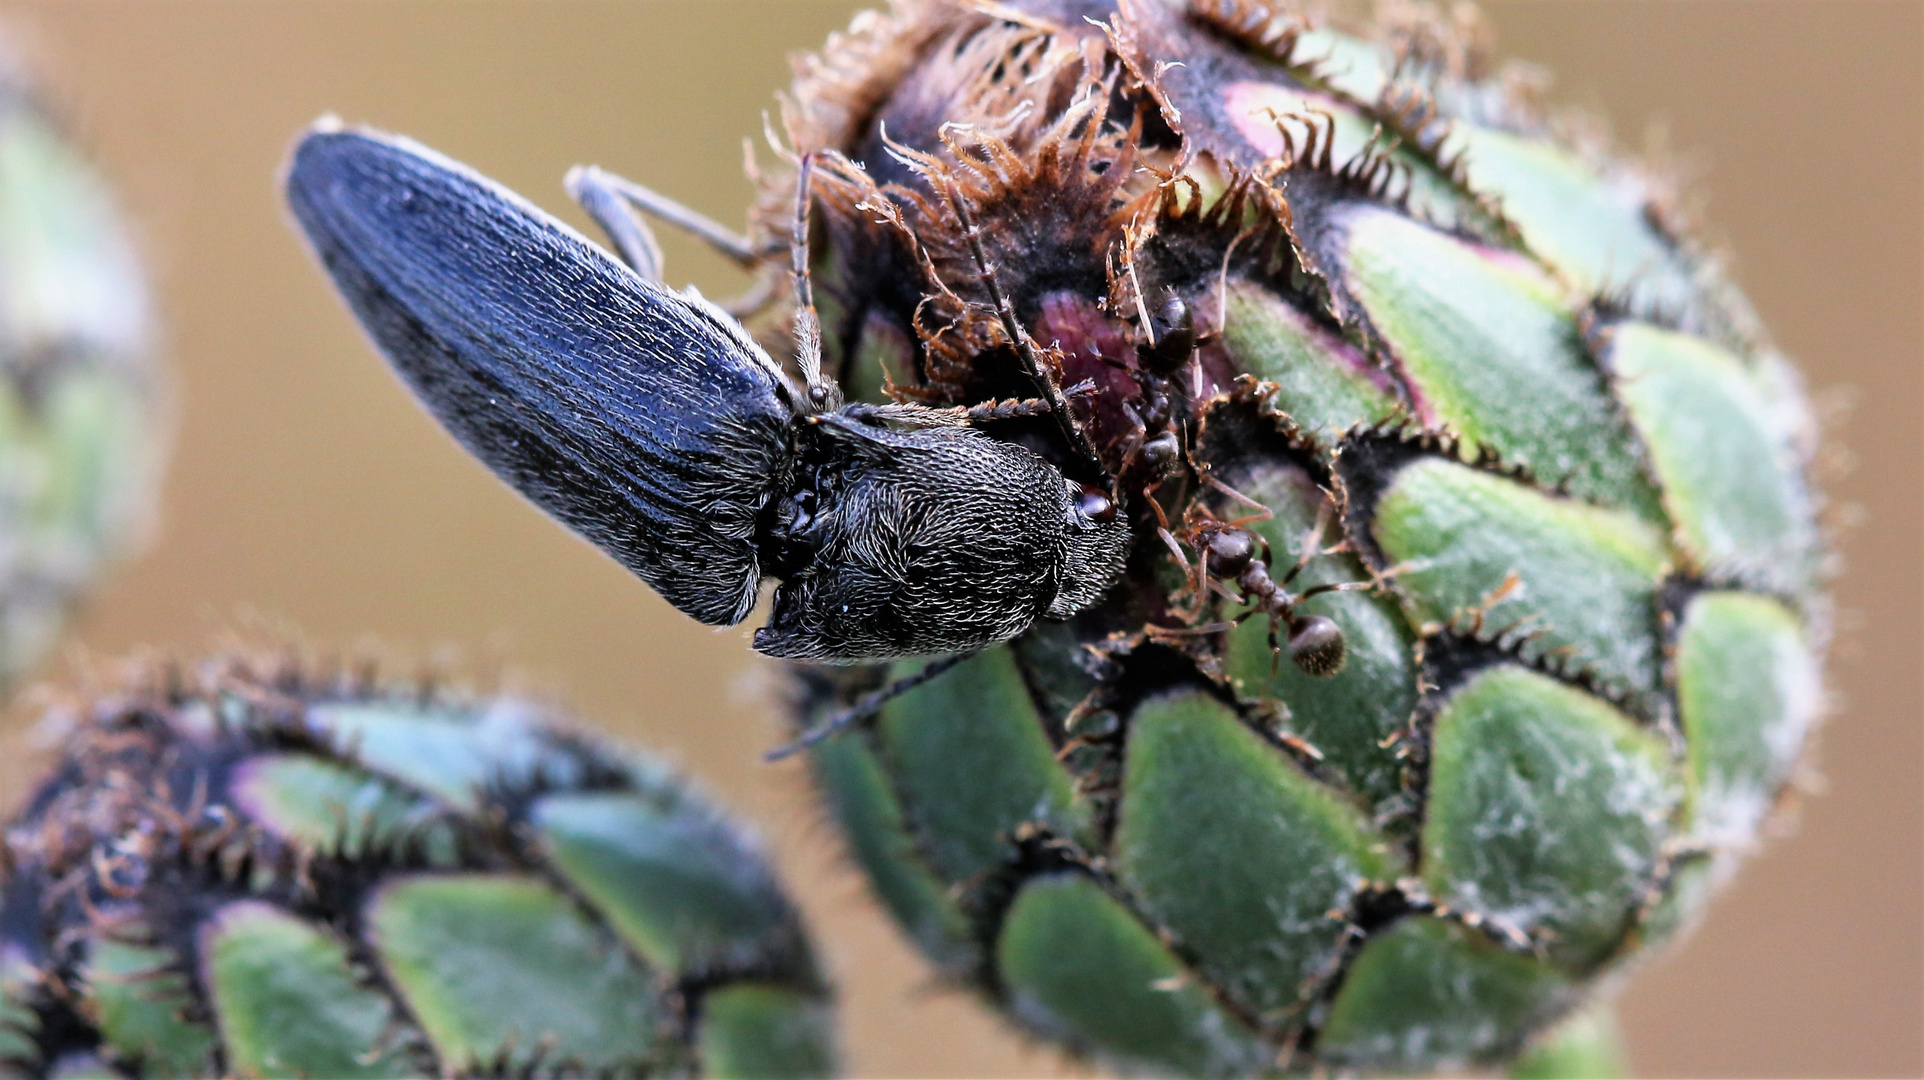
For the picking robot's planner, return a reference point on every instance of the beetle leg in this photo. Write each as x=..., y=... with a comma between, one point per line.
x=634, y=241
x=983, y=412
x=864, y=707
x=730, y=244
x=1035, y=369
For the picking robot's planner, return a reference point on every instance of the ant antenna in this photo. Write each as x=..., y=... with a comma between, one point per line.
x=822, y=394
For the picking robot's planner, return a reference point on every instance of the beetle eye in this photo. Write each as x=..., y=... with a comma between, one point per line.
x=1094, y=504
x=789, y=545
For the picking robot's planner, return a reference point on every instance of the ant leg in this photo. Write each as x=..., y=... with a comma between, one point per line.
x=758, y=297
x=1138, y=434
x=1162, y=519
x=1195, y=575
x=1311, y=545
x=634, y=241
x=730, y=244
x=1263, y=513
x=1310, y=552
x=1323, y=510
x=1198, y=630
x=1149, y=496
x=1175, y=548
x=1201, y=584
x=1335, y=586
x=1222, y=294
x=864, y=707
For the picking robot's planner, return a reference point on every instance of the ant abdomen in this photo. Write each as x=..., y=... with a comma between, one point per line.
x=1316, y=645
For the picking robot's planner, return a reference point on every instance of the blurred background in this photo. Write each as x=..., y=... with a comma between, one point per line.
x=309, y=498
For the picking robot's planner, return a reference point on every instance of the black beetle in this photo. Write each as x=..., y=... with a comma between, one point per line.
x=649, y=422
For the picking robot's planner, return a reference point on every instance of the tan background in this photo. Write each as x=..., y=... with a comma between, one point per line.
x=308, y=492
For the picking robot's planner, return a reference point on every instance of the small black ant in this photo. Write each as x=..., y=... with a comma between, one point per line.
x=1162, y=417
x=1234, y=563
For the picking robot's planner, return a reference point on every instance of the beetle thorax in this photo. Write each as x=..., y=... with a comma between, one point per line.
x=916, y=542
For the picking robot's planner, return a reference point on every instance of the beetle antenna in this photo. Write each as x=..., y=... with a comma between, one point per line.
x=822, y=394
x=866, y=706
x=1019, y=337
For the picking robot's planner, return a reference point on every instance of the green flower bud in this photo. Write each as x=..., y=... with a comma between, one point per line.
x=1473, y=620
x=80, y=400
x=253, y=871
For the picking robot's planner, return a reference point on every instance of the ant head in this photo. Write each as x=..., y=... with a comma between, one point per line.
x=1174, y=332
x=1230, y=551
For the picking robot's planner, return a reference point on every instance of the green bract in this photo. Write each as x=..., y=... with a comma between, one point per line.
x=79, y=438
x=262, y=874
x=1448, y=356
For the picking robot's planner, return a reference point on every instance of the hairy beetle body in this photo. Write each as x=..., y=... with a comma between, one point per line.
x=649, y=423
